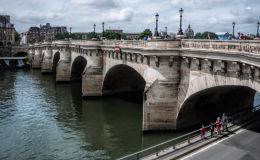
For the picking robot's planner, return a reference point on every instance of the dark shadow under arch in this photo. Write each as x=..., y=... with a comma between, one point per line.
x=77, y=68
x=55, y=61
x=122, y=79
x=1, y=44
x=208, y=104
x=21, y=54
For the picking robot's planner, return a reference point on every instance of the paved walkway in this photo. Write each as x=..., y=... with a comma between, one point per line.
x=244, y=145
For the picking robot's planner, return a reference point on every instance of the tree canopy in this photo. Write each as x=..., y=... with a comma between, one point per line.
x=206, y=35
x=17, y=37
x=145, y=33
x=61, y=36
x=114, y=35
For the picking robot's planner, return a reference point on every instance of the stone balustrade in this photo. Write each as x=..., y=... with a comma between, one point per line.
x=125, y=43
x=252, y=46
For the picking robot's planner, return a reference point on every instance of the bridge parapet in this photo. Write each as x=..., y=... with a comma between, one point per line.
x=86, y=42
x=151, y=44
x=234, y=45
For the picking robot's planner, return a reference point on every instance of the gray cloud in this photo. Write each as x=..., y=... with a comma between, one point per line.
x=135, y=15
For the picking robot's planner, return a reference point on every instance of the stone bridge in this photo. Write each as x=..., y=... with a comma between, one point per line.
x=14, y=51
x=182, y=82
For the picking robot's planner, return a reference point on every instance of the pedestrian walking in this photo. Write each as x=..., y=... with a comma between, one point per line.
x=224, y=121
x=212, y=127
x=202, y=132
x=218, y=125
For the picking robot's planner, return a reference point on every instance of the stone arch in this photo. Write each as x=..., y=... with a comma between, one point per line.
x=9, y=43
x=123, y=79
x=209, y=95
x=56, y=58
x=1, y=43
x=78, y=66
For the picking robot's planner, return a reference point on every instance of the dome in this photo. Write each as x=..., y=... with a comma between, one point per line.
x=189, y=33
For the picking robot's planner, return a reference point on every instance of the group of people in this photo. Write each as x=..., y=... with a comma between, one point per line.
x=217, y=127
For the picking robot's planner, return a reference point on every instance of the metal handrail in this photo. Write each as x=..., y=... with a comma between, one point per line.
x=188, y=137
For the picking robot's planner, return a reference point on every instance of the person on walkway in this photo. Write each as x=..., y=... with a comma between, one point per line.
x=202, y=132
x=212, y=127
x=224, y=122
x=218, y=125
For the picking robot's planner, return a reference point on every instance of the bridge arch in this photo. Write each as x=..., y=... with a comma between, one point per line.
x=78, y=66
x=1, y=43
x=208, y=104
x=123, y=79
x=55, y=60
x=208, y=95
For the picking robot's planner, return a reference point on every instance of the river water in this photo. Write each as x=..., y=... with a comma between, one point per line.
x=44, y=120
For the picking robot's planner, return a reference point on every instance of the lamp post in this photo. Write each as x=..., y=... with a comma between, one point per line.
x=180, y=30
x=234, y=23
x=103, y=30
x=70, y=33
x=165, y=31
x=94, y=28
x=257, y=32
x=156, y=34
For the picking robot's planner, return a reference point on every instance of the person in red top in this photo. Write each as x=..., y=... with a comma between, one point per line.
x=218, y=125
x=202, y=132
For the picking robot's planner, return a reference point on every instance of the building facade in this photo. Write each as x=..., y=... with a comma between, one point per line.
x=189, y=33
x=7, y=31
x=44, y=32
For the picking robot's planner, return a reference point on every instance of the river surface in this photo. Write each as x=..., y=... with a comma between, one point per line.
x=44, y=120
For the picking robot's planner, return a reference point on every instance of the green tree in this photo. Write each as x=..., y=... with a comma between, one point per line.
x=61, y=36
x=198, y=35
x=92, y=35
x=17, y=37
x=206, y=35
x=114, y=35
x=145, y=33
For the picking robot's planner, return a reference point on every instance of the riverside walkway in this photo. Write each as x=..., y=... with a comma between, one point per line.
x=243, y=145
x=182, y=146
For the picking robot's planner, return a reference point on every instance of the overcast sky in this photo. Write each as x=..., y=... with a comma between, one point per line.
x=135, y=15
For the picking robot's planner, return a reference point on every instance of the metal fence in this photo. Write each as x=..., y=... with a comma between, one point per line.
x=185, y=140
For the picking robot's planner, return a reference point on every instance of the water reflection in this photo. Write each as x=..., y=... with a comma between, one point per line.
x=40, y=119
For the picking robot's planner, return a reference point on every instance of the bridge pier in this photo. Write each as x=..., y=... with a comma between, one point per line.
x=160, y=102
x=160, y=106
x=37, y=59
x=92, y=82
x=46, y=66
x=63, y=73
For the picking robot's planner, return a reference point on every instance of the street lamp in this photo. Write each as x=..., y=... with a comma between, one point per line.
x=156, y=34
x=257, y=34
x=234, y=23
x=180, y=30
x=103, y=30
x=70, y=32
x=165, y=31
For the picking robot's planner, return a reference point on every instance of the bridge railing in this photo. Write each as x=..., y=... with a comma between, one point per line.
x=125, y=43
x=251, y=46
x=185, y=140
